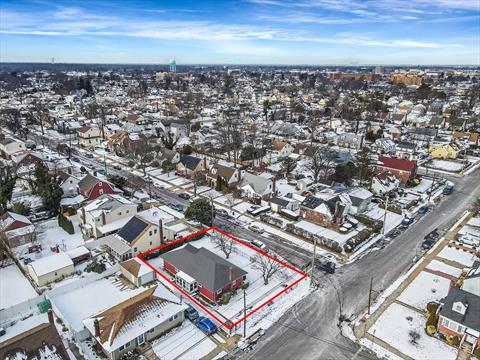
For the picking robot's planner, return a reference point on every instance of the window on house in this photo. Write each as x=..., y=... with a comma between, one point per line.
x=458, y=308
x=150, y=243
x=446, y=323
x=461, y=329
x=134, y=249
x=150, y=233
x=120, y=213
x=101, y=191
x=219, y=291
x=175, y=316
x=155, y=231
x=151, y=330
x=128, y=211
x=170, y=319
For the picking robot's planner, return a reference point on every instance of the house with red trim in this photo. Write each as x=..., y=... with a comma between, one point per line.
x=459, y=316
x=92, y=187
x=403, y=170
x=198, y=270
x=18, y=229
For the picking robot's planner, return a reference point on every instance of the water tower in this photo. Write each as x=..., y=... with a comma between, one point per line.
x=173, y=65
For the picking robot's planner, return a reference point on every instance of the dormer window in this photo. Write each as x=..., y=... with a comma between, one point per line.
x=459, y=307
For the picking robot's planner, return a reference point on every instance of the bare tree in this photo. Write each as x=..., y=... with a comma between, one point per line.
x=322, y=162
x=40, y=114
x=267, y=266
x=142, y=152
x=224, y=243
x=169, y=140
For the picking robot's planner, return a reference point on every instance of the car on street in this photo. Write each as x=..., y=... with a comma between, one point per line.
x=327, y=266
x=176, y=207
x=428, y=243
x=89, y=155
x=74, y=158
x=206, y=325
x=222, y=213
x=447, y=190
x=117, y=167
x=258, y=244
x=423, y=209
x=407, y=220
x=191, y=313
x=184, y=196
x=255, y=228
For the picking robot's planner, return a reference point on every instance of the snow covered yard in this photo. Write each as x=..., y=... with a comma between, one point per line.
x=444, y=268
x=14, y=287
x=49, y=235
x=394, y=327
x=184, y=342
x=447, y=165
x=425, y=288
x=462, y=257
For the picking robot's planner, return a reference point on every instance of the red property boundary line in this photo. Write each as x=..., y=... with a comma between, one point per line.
x=227, y=326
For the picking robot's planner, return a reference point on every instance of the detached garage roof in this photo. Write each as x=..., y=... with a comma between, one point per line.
x=51, y=263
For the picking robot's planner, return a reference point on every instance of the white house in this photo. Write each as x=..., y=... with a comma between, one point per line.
x=89, y=136
x=105, y=215
x=9, y=146
x=51, y=268
x=135, y=271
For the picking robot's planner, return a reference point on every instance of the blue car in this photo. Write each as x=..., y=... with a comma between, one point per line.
x=191, y=313
x=423, y=210
x=206, y=325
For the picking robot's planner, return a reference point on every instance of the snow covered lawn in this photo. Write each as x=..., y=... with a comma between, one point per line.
x=393, y=327
x=425, y=288
x=446, y=269
x=185, y=342
x=14, y=287
x=460, y=256
x=447, y=165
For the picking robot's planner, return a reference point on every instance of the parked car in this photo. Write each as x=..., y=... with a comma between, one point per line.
x=206, y=325
x=428, y=243
x=255, y=228
x=432, y=235
x=191, y=313
x=222, y=213
x=407, y=220
x=423, y=209
x=117, y=167
x=176, y=207
x=184, y=196
x=74, y=158
x=447, y=190
x=258, y=244
x=327, y=266
x=89, y=155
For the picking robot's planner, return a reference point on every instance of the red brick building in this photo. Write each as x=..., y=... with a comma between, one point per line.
x=403, y=170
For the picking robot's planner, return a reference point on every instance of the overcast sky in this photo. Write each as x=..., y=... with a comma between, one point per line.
x=242, y=32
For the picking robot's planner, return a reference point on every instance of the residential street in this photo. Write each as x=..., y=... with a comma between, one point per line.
x=310, y=329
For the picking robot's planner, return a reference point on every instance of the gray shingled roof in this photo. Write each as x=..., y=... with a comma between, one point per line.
x=209, y=269
x=471, y=318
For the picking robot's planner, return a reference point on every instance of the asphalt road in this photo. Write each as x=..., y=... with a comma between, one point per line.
x=310, y=330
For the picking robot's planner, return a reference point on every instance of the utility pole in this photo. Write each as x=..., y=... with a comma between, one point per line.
x=370, y=295
x=312, y=280
x=385, y=214
x=431, y=187
x=244, y=314
x=212, y=208
x=105, y=163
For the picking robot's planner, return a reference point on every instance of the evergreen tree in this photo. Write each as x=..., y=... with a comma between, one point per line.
x=8, y=179
x=200, y=210
x=363, y=163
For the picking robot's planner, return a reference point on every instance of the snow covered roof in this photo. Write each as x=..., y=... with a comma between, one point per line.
x=51, y=263
x=129, y=319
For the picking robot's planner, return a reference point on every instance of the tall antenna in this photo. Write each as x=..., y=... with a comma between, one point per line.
x=173, y=65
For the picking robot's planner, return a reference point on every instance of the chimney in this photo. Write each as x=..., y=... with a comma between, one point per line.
x=160, y=230
x=337, y=210
x=83, y=215
x=103, y=218
x=50, y=316
x=230, y=273
x=274, y=185
x=96, y=326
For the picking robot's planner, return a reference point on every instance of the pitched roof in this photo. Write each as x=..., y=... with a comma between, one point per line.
x=132, y=229
x=398, y=164
x=221, y=170
x=190, y=162
x=279, y=201
x=209, y=269
x=87, y=182
x=115, y=319
x=33, y=342
x=471, y=318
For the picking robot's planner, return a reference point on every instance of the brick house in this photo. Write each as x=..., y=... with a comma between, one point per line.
x=328, y=213
x=92, y=187
x=403, y=170
x=459, y=316
x=198, y=269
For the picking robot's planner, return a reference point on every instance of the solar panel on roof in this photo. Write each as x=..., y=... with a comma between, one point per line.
x=132, y=229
